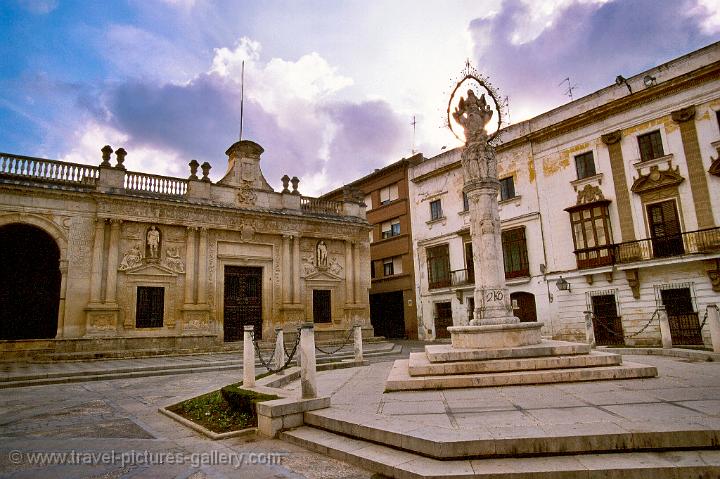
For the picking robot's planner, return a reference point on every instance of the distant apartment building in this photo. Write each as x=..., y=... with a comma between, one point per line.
x=609, y=204
x=393, y=311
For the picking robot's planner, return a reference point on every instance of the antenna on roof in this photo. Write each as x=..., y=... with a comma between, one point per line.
x=570, y=88
x=413, y=123
x=242, y=96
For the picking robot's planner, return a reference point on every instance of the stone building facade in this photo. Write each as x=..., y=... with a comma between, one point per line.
x=609, y=204
x=134, y=260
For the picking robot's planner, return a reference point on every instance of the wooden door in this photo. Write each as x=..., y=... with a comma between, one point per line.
x=243, y=301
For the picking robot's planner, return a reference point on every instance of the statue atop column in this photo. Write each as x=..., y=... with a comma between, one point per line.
x=478, y=158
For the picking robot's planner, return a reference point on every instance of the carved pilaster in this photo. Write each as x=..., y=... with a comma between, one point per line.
x=286, y=269
x=296, y=269
x=355, y=278
x=97, y=261
x=190, y=265
x=112, y=269
x=349, y=272
x=202, y=267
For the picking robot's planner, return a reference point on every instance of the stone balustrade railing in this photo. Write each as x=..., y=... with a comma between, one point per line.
x=161, y=185
x=321, y=206
x=48, y=170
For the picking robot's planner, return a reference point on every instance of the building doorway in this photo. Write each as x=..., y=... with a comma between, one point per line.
x=29, y=283
x=243, y=301
x=684, y=321
x=525, y=306
x=322, y=307
x=443, y=319
x=665, y=231
x=607, y=324
x=387, y=314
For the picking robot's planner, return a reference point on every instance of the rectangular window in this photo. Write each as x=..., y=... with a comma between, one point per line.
x=471, y=308
x=388, y=267
x=665, y=233
x=466, y=202
x=438, y=261
x=368, y=202
x=507, y=188
x=321, y=306
x=372, y=269
x=150, y=307
x=469, y=263
x=435, y=210
x=388, y=194
x=390, y=228
x=585, y=165
x=371, y=235
x=592, y=236
x=515, y=254
x=650, y=146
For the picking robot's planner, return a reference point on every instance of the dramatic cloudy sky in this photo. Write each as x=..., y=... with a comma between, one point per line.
x=331, y=86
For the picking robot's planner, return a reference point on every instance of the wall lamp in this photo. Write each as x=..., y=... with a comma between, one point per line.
x=563, y=285
x=619, y=80
x=649, y=81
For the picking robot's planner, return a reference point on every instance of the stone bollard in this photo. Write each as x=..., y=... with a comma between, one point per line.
x=279, y=357
x=714, y=324
x=664, y=328
x=248, y=357
x=308, y=379
x=589, y=330
x=358, y=343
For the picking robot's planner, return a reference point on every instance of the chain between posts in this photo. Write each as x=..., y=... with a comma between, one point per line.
x=290, y=356
x=345, y=343
x=702, y=325
x=654, y=315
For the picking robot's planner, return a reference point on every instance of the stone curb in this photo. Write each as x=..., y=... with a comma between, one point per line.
x=251, y=431
x=674, y=352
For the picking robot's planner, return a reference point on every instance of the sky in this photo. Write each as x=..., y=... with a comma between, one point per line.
x=331, y=87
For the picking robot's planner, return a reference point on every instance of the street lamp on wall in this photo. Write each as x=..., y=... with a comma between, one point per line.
x=563, y=285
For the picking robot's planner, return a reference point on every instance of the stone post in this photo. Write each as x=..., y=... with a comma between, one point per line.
x=112, y=266
x=358, y=343
x=248, y=357
x=308, y=379
x=589, y=330
x=714, y=324
x=279, y=357
x=664, y=328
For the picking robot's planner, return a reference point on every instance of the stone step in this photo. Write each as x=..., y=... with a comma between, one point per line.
x=445, y=443
x=402, y=464
x=400, y=380
x=443, y=353
x=419, y=365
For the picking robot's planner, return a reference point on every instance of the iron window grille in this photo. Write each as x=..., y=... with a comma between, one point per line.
x=436, y=210
x=585, y=165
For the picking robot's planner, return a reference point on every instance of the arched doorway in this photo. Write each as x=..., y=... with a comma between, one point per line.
x=525, y=306
x=29, y=283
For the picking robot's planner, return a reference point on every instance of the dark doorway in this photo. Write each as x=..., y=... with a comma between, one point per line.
x=150, y=307
x=607, y=325
x=243, y=301
x=322, y=312
x=684, y=322
x=665, y=231
x=29, y=283
x=443, y=319
x=525, y=306
x=387, y=314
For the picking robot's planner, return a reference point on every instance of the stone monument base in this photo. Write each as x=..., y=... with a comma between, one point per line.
x=495, y=335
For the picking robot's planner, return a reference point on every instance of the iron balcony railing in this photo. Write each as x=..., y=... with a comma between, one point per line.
x=690, y=242
x=461, y=277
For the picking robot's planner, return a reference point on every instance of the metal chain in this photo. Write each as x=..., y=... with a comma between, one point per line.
x=290, y=355
x=629, y=335
x=345, y=343
x=702, y=325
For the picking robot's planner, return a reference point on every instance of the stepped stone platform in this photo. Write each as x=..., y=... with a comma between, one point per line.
x=445, y=366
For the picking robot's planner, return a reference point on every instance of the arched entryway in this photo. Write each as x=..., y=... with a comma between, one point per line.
x=29, y=283
x=525, y=306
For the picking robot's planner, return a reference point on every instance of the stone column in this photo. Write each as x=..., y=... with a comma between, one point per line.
x=190, y=265
x=358, y=343
x=308, y=379
x=279, y=356
x=112, y=266
x=589, y=330
x=355, y=278
x=492, y=298
x=97, y=261
x=349, y=273
x=714, y=324
x=286, y=270
x=202, y=267
x=248, y=357
x=296, y=269
x=61, y=305
x=664, y=328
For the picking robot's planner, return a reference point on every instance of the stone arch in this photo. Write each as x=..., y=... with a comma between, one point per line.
x=44, y=224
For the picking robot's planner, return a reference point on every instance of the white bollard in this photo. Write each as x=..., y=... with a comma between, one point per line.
x=714, y=324
x=279, y=357
x=589, y=330
x=308, y=379
x=664, y=328
x=248, y=357
x=358, y=344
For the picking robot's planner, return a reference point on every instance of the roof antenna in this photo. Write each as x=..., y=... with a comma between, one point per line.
x=413, y=123
x=570, y=88
x=242, y=96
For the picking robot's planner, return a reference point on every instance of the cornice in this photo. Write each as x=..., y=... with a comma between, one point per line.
x=437, y=172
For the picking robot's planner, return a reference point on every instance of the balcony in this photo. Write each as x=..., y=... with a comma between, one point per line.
x=704, y=241
x=461, y=277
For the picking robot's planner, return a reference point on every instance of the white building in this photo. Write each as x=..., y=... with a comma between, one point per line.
x=610, y=203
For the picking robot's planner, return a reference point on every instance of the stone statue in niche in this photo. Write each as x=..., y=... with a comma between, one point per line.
x=153, y=243
x=321, y=257
x=173, y=260
x=131, y=259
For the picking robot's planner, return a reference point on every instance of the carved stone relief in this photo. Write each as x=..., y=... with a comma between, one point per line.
x=656, y=179
x=173, y=260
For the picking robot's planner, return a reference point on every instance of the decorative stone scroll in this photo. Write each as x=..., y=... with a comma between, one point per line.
x=657, y=179
x=589, y=194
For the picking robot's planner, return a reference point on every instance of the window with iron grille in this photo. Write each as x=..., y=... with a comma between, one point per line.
x=438, y=264
x=515, y=254
x=585, y=165
x=150, y=307
x=436, y=210
x=507, y=188
x=650, y=146
x=592, y=236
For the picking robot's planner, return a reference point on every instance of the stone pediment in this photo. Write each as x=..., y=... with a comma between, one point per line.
x=151, y=269
x=657, y=179
x=322, y=275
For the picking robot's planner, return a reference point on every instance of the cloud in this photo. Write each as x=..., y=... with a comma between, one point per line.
x=39, y=7
x=590, y=43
